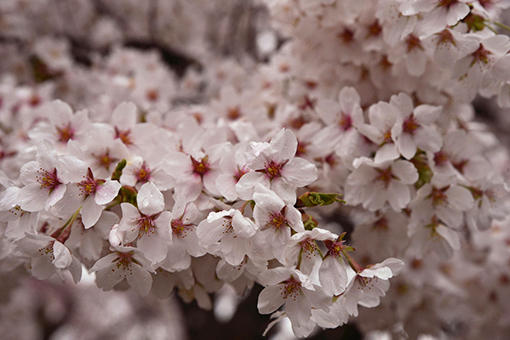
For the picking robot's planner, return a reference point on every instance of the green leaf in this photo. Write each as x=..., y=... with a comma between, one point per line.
x=313, y=199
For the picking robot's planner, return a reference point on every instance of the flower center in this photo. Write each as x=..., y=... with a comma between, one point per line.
x=180, y=229
x=89, y=185
x=336, y=248
x=438, y=196
x=440, y=158
x=234, y=113
x=240, y=173
x=374, y=30
x=301, y=148
x=291, y=288
x=124, y=260
x=65, y=133
x=345, y=122
x=381, y=224
x=105, y=160
x=124, y=135
x=447, y=3
x=385, y=176
x=143, y=174
x=413, y=42
x=152, y=95
x=277, y=221
x=200, y=167
x=410, y=125
x=481, y=55
x=446, y=37
x=48, y=180
x=146, y=225
x=273, y=169
x=309, y=247
x=367, y=282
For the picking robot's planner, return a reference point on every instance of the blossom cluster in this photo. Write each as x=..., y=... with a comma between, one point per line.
x=233, y=173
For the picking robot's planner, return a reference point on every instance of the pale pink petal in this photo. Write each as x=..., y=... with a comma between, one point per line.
x=299, y=172
x=139, y=279
x=270, y=299
x=63, y=257
x=106, y=192
x=406, y=146
x=405, y=172
x=33, y=198
x=459, y=198
x=90, y=212
x=332, y=276
x=150, y=200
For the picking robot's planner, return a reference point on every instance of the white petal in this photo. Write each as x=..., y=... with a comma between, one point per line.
x=270, y=299
x=139, y=279
x=332, y=276
x=90, y=212
x=150, y=200
x=63, y=257
x=106, y=192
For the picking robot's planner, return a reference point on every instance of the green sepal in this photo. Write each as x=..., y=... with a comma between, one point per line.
x=425, y=174
x=129, y=195
x=308, y=221
x=118, y=170
x=475, y=22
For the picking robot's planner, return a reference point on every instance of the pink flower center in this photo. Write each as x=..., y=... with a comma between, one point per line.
x=381, y=224
x=440, y=158
x=447, y=3
x=180, y=229
x=273, y=169
x=291, y=288
x=65, y=133
x=143, y=174
x=124, y=135
x=301, y=148
x=385, y=176
x=446, y=37
x=234, y=113
x=374, y=29
x=105, y=160
x=48, y=180
x=345, y=122
x=410, y=125
x=438, y=196
x=152, y=95
x=335, y=249
x=309, y=247
x=89, y=185
x=413, y=42
x=481, y=55
x=200, y=167
x=146, y=225
x=366, y=282
x=124, y=260
x=227, y=224
x=240, y=173
x=277, y=221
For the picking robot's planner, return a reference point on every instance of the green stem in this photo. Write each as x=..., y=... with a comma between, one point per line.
x=503, y=26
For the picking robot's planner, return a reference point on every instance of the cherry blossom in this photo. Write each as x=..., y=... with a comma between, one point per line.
x=296, y=291
x=373, y=185
x=124, y=263
x=148, y=224
x=45, y=179
x=276, y=167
